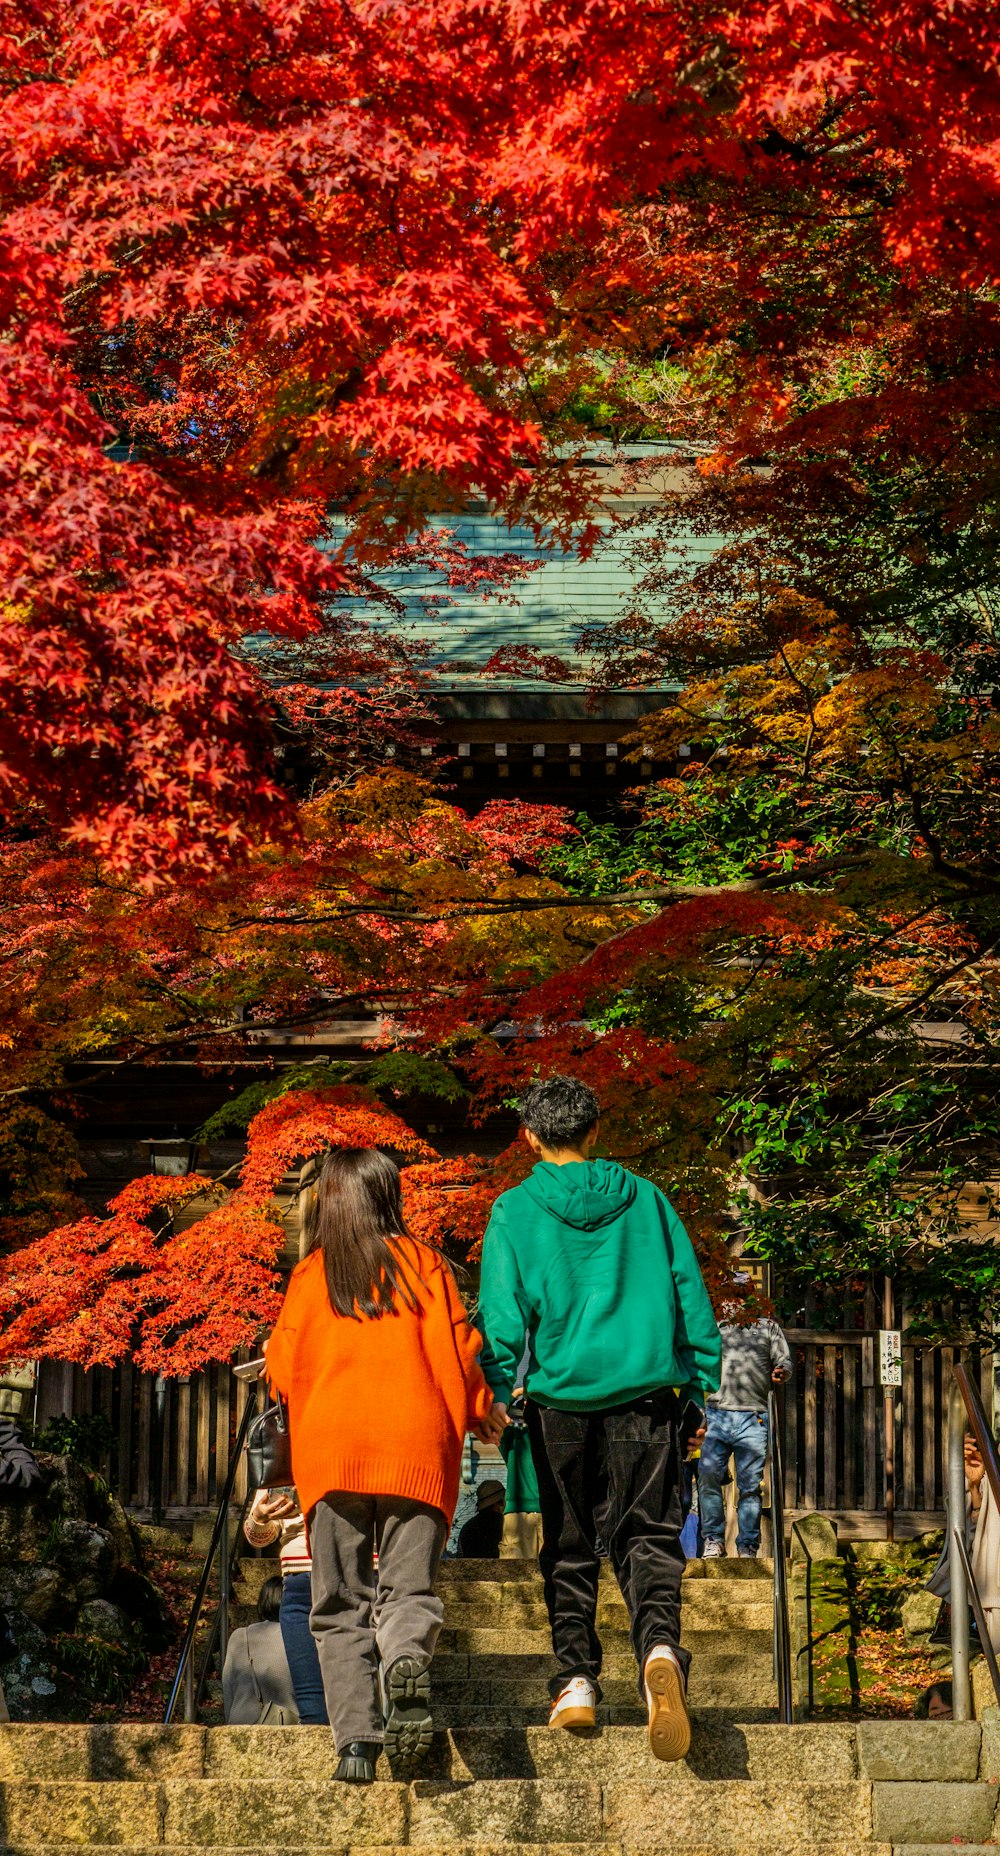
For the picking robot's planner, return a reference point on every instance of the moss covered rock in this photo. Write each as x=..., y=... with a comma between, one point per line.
x=82, y=1612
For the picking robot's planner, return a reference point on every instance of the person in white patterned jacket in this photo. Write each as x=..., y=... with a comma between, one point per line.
x=275, y=1515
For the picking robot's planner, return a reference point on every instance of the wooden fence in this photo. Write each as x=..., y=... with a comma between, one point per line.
x=834, y=1425
x=193, y=1442
x=833, y=1429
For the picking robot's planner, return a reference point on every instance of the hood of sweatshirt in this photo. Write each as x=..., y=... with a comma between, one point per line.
x=585, y=1193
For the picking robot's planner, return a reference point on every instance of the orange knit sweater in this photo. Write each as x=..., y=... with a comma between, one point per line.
x=378, y=1407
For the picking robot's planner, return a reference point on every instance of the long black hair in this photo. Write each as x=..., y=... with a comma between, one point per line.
x=358, y=1217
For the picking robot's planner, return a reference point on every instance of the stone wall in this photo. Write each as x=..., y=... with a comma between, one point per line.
x=82, y=1611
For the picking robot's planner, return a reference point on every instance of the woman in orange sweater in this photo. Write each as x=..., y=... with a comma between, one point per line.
x=379, y=1366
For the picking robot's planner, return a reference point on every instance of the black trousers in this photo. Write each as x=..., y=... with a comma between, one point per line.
x=611, y=1482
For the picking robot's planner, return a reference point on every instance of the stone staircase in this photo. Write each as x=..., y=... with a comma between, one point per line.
x=499, y=1778
x=494, y=1658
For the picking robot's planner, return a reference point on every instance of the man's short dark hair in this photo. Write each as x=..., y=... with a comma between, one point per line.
x=560, y=1112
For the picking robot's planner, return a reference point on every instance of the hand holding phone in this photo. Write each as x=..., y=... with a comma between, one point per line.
x=276, y=1504
x=250, y=1369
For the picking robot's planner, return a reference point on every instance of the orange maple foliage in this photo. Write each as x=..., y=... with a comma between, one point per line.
x=129, y=1287
x=308, y=1121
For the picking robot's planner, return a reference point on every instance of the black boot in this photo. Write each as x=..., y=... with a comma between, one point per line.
x=409, y=1731
x=357, y=1762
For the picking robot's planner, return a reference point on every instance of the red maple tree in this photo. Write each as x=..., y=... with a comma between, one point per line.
x=375, y=255
x=379, y=259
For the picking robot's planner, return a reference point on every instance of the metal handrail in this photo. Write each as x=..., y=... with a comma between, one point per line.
x=985, y=1641
x=185, y=1667
x=782, y=1637
x=218, y=1630
x=965, y=1404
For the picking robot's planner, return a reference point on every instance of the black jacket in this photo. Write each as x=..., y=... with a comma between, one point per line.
x=481, y=1536
x=18, y=1468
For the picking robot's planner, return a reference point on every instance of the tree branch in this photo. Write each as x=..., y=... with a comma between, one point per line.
x=665, y=894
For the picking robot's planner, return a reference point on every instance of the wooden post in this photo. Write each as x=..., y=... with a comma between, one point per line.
x=909, y=1490
x=203, y=1393
x=243, y=1393
x=929, y=1428
x=809, y=1434
x=184, y=1441
x=955, y=1484
x=222, y=1443
x=789, y=1408
x=829, y=1427
x=157, y=1439
x=889, y=1410
x=869, y=1401
x=143, y=1477
x=105, y=1405
x=169, y=1433
x=850, y=1417
x=54, y=1392
x=125, y=1428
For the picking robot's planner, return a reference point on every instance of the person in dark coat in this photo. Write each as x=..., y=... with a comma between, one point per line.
x=256, y=1681
x=481, y=1536
x=19, y=1471
x=19, y=1474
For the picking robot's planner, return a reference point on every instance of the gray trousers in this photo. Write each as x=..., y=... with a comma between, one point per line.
x=358, y=1625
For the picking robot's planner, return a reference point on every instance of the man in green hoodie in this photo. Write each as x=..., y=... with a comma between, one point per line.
x=595, y=1267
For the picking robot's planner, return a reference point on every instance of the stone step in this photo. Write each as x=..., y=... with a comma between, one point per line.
x=214, y=1813
x=909, y=1761
x=463, y=1573
x=710, y=1606
x=130, y=1754
x=708, y=1688
x=702, y=1638
x=525, y=1571
x=734, y=1602
x=478, y=1849
x=941, y=1811
x=718, y=1650
x=488, y=1655
x=629, y=1712
x=731, y=1687
x=612, y=1621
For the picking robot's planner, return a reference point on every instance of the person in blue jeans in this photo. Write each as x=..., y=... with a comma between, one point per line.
x=275, y=1514
x=754, y=1357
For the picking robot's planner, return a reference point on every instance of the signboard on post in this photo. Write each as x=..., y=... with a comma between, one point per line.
x=890, y=1357
x=755, y=1271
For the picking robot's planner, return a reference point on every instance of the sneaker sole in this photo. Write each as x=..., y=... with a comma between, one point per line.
x=669, y=1726
x=574, y=1717
x=409, y=1729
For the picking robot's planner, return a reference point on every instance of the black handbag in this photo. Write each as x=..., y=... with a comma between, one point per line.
x=269, y=1449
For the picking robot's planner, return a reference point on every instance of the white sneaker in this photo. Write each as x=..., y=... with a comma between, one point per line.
x=575, y=1705
x=746, y=1553
x=714, y=1550
x=663, y=1683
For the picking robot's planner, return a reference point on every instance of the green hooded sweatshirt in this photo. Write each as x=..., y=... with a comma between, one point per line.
x=595, y=1267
